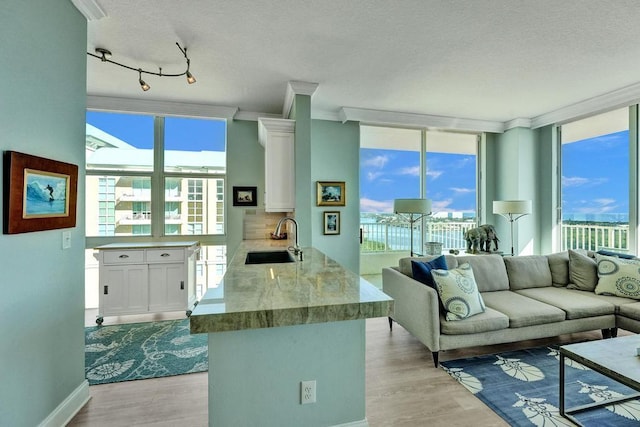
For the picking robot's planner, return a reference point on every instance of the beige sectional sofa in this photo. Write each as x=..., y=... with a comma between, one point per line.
x=525, y=297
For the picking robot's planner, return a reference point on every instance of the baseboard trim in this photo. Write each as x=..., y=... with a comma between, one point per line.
x=69, y=407
x=361, y=423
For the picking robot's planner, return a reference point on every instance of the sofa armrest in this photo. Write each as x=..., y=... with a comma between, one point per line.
x=416, y=306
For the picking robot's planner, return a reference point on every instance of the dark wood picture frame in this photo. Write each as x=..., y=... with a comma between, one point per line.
x=331, y=193
x=331, y=222
x=245, y=196
x=39, y=193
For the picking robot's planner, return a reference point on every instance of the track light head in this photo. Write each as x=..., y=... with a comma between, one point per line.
x=190, y=79
x=145, y=87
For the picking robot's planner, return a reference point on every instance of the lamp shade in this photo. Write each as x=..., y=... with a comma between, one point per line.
x=520, y=207
x=412, y=206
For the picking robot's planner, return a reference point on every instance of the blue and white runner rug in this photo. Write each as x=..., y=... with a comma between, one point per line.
x=143, y=350
x=523, y=388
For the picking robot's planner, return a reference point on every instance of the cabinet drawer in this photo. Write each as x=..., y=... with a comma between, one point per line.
x=165, y=255
x=123, y=257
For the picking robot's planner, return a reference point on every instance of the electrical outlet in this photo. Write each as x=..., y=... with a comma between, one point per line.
x=307, y=392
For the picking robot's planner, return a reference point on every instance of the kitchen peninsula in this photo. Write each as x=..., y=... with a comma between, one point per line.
x=272, y=326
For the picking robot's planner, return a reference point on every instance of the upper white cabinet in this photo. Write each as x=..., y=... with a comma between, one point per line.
x=277, y=137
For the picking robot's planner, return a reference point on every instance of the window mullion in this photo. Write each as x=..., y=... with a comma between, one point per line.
x=157, y=181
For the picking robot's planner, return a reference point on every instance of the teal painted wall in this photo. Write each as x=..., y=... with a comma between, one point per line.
x=245, y=167
x=547, y=179
x=332, y=354
x=336, y=155
x=43, y=85
x=516, y=163
x=305, y=186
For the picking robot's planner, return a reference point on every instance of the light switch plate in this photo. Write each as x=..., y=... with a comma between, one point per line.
x=66, y=239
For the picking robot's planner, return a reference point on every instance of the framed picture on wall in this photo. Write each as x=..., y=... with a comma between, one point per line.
x=331, y=193
x=245, y=196
x=331, y=222
x=39, y=194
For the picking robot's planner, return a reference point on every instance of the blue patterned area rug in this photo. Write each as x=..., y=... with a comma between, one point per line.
x=143, y=350
x=523, y=388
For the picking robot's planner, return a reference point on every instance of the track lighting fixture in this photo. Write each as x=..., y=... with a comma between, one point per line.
x=103, y=55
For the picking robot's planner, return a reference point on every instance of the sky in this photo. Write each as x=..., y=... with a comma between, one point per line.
x=392, y=174
x=594, y=171
x=595, y=176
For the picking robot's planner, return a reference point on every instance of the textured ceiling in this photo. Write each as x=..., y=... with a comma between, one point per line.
x=494, y=60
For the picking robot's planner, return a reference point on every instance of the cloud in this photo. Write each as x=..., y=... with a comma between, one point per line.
x=411, y=170
x=579, y=181
x=375, y=206
x=372, y=176
x=460, y=190
x=596, y=206
x=434, y=174
x=376, y=162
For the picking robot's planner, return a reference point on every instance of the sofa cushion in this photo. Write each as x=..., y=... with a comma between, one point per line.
x=631, y=311
x=577, y=304
x=616, y=254
x=404, y=264
x=582, y=272
x=559, y=267
x=488, y=321
x=617, y=276
x=489, y=271
x=531, y=271
x=458, y=292
x=521, y=310
x=422, y=270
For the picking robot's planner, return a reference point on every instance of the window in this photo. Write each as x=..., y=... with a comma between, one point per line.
x=595, y=182
x=410, y=163
x=127, y=157
x=121, y=172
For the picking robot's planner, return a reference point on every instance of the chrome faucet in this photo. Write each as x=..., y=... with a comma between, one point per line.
x=297, y=250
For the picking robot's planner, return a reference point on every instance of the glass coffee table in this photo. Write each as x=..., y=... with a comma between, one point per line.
x=615, y=358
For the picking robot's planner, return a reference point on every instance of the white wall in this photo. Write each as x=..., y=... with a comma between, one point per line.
x=42, y=112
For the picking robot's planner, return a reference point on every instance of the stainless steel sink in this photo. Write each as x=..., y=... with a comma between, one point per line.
x=268, y=257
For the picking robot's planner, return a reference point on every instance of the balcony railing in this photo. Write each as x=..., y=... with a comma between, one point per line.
x=389, y=237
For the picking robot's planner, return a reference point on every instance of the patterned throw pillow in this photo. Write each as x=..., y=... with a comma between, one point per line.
x=617, y=276
x=458, y=292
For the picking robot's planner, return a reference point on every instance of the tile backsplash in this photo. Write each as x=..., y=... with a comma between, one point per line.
x=258, y=224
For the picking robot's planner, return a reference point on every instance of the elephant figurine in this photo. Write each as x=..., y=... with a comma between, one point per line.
x=479, y=239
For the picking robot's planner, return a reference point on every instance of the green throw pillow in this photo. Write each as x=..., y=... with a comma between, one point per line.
x=458, y=292
x=617, y=276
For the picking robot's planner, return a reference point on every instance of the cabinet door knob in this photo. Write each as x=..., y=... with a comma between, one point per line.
x=106, y=289
x=182, y=284
x=123, y=256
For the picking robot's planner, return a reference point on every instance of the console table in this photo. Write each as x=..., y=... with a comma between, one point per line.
x=138, y=278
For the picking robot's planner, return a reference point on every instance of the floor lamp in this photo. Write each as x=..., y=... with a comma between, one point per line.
x=512, y=210
x=412, y=210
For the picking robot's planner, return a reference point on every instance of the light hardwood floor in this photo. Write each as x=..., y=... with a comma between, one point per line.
x=403, y=388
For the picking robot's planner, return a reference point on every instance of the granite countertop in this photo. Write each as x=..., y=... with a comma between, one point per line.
x=316, y=290
x=145, y=245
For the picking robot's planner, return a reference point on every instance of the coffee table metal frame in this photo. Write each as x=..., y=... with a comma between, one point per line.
x=605, y=365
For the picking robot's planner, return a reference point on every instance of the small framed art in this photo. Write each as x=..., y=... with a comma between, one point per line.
x=331, y=193
x=39, y=194
x=245, y=196
x=331, y=222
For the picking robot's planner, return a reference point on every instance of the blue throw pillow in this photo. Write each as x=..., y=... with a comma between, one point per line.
x=616, y=254
x=422, y=270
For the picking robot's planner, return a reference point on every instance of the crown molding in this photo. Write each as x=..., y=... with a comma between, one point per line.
x=418, y=120
x=90, y=9
x=165, y=108
x=619, y=98
x=296, y=88
x=517, y=123
x=254, y=116
x=332, y=116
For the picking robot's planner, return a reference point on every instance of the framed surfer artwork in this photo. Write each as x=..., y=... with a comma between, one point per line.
x=39, y=193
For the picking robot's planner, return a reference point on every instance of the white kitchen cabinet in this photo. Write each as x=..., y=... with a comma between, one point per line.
x=277, y=137
x=138, y=278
